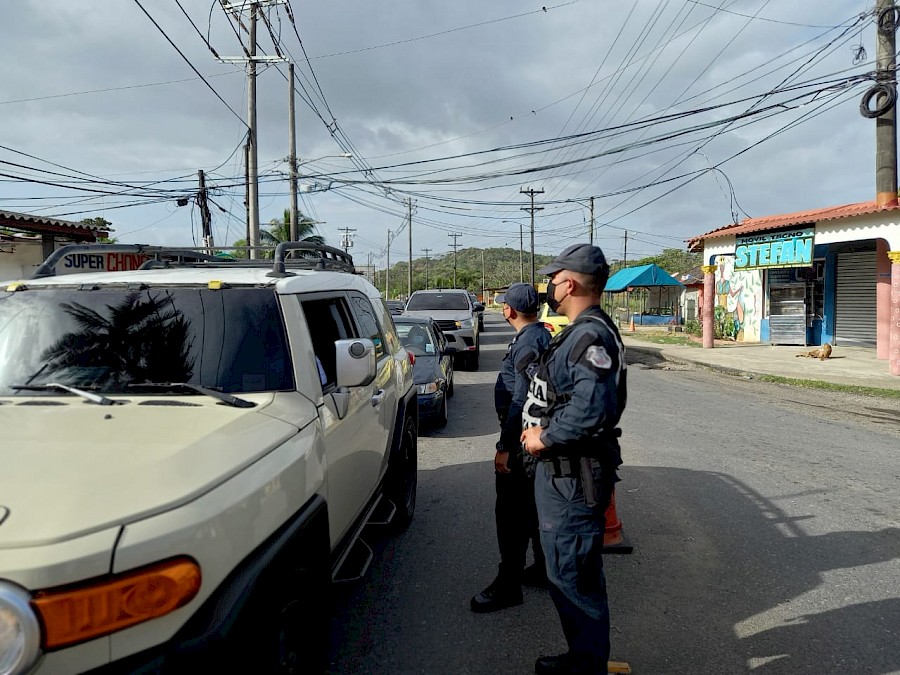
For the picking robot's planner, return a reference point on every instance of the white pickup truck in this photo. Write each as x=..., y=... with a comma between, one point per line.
x=189, y=453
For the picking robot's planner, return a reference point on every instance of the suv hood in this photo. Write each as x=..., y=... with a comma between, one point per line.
x=442, y=314
x=71, y=469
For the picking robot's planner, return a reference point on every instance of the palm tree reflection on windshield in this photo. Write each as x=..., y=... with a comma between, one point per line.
x=142, y=339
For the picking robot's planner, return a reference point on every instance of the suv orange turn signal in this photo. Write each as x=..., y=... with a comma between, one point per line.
x=75, y=614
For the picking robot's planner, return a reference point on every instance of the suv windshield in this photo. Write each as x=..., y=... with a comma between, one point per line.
x=420, y=301
x=114, y=339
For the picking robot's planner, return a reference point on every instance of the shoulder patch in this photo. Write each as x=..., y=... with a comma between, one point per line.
x=598, y=357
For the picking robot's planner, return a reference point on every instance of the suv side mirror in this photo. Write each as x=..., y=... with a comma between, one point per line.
x=479, y=307
x=355, y=361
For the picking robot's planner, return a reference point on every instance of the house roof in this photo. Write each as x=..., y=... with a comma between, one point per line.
x=643, y=275
x=43, y=225
x=750, y=225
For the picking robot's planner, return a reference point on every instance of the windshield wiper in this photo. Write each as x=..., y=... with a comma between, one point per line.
x=94, y=398
x=220, y=395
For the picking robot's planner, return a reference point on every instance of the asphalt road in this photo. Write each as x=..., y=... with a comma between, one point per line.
x=765, y=521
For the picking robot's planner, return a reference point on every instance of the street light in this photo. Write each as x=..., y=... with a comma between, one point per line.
x=521, y=261
x=591, y=207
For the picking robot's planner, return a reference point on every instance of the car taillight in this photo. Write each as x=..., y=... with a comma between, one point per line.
x=549, y=326
x=78, y=613
x=412, y=358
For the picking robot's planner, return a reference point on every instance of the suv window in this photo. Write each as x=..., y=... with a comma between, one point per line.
x=420, y=301
x=114, y=339
x=328, y=320
x=367, y=322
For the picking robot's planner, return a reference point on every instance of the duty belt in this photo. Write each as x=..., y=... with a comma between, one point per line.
x=567, y=467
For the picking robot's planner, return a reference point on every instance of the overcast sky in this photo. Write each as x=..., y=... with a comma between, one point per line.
x=455, y=105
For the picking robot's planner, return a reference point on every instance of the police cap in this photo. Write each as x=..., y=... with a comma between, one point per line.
x=522, y=298
x=583, y=258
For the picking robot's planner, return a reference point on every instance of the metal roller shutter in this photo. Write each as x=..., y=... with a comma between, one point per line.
x=855, y=299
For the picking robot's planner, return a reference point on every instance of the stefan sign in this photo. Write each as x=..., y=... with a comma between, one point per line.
x=774, y=249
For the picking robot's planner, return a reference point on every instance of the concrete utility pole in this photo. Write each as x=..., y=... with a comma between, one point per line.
x=591, y=233
x=247, y=189
x=205, y=217
x=409, y=272
x=531, y=209
x=346, y=237
x=483, y=291
x=253, y=163
x=427, y=251
x=886, y=123
x=292, y=129
x=455, y=246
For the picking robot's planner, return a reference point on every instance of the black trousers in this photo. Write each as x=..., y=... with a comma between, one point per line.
x=517, y=523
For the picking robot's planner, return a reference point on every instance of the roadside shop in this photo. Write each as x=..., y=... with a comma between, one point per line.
x=808, y=278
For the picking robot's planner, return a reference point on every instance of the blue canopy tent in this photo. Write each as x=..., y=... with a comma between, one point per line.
x=655, y=277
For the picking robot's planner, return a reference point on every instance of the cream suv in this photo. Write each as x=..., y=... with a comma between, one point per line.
x=190, y=452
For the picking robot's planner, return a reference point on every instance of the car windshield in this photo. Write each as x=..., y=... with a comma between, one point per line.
x=416, y=338
x=115, y=339
x=425, y=301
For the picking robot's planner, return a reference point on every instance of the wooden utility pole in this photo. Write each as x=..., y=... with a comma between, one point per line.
x=455, y=246
x=387, y=270
x=253, y=161
x=409, y=271
x=591, y=233
x=531, y=209
x=886, y=123
x=247, y=190
x=205, y=216
x=483, y=291
x=346, y=237
x=292, y=129
x=427, y=251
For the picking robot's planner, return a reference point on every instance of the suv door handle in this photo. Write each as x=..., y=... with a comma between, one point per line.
x=377, y=397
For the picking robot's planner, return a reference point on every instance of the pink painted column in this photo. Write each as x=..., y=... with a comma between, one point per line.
x=709, y=306
x=894, y=340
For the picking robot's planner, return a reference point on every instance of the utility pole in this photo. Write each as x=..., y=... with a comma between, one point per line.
x=293, y=157
x=205, y=217
x=387, y=270
x=247, y=189
x=346, y=237
x=531, y=209
x=455, y=246
x=483, y=291
x=885, y=123
x=409, y=272
x=625, y=256
x=427, y=251
x=591, y=233
x=252, y=156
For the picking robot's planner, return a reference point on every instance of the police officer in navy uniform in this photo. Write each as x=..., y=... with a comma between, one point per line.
x=515, y=512
x=571, y=416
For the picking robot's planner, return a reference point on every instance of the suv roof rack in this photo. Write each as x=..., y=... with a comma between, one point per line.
x=48, y=267
x=314, y=256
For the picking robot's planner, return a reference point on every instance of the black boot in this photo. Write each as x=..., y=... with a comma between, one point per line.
x=498, y=595
x=552, y=665
x=535, y=576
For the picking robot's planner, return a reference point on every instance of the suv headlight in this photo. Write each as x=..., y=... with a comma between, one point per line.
x=20, y=633
x=465, y=323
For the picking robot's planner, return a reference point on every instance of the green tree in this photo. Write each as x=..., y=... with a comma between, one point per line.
x=104, y=224
x=279, y=230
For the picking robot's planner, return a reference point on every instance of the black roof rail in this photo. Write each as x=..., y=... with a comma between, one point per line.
x=48, y=267
x=327, y=257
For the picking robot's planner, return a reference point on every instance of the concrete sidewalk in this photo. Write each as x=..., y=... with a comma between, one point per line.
x=847, y=365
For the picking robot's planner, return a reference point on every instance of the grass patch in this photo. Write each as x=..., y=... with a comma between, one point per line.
x=665, y=338
x=830, y=386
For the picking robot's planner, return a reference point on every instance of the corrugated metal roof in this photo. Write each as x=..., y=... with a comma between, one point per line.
x=750, y=225
x=11, y=218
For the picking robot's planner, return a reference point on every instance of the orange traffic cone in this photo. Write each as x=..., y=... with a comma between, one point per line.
x=631, y=328
x=612, y=535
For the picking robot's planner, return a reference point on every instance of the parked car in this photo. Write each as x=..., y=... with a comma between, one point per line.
x=552, y=321
x=190, y=455
x=433, y=367
x=395, y=306
x=454, y=313
x=478, y=312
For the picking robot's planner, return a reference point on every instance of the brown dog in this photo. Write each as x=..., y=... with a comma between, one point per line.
x=821, y=353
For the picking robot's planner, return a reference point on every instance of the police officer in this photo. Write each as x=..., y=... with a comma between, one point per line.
x=571, y=417
x=515, y=512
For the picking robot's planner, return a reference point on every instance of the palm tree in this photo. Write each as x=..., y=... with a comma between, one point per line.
x=279, y=230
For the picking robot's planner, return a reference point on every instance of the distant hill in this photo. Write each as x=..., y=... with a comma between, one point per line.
x=501, y=268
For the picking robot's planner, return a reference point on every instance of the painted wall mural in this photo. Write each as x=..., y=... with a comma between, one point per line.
x=739, y=301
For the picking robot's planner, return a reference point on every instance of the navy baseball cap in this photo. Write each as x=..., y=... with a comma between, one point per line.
x=522, y=298
x=583, y=258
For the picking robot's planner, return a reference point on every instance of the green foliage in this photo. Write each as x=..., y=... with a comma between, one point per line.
x=279, y=231
x=693, y=327
x=672, y=260
x=724, y=324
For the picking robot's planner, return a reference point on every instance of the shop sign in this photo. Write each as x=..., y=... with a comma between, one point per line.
x=774, y=249
x=100, y=262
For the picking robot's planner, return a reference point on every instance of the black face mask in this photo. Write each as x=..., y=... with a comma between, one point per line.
x=551, y=297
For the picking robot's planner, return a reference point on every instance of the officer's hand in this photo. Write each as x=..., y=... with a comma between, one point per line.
x=501, y=462
x=531, y=440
